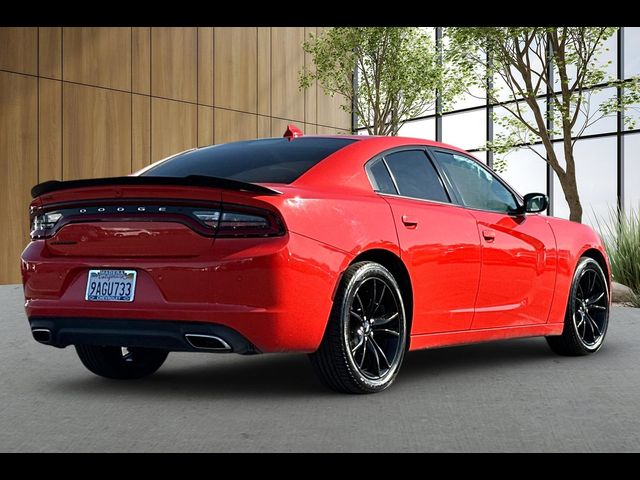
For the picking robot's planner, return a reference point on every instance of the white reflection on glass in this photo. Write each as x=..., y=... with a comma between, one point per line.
x=465, y=130
x=596, y=175
x=632, y=171
x=526, y=172
x=425, y=128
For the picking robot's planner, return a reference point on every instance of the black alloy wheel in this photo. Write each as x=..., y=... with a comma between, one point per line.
x=366, y=337
x=587, y=316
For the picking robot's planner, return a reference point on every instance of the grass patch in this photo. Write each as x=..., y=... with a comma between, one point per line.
x=621, y=237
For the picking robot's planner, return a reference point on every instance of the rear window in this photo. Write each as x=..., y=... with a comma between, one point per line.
x=270, y=160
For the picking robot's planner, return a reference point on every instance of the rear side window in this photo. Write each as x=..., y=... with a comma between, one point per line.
x=416, y=176
x=381, y=178
x=270, y=160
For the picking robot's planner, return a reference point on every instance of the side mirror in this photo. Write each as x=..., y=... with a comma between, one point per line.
x=535, y=202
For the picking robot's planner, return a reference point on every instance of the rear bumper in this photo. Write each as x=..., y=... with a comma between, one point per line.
x=276, y=293
x=168, y=335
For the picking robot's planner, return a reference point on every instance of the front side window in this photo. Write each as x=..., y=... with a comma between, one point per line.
x=476, y=186
x=416, y=176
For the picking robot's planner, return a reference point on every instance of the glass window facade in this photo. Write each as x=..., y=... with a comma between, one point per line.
x=599, y=152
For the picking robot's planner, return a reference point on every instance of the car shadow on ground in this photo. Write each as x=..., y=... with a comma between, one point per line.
x=291, y=375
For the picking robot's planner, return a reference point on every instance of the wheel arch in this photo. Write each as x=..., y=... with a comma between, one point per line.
x=398, y=269
x=599, y=257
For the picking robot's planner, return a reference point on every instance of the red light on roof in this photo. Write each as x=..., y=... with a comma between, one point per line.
x=292, y=132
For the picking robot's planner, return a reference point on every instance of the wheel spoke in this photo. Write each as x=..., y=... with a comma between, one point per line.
x=592, y=284
x=360, y=343
x=386, y=330
x=358, y=316
x=386, y=318
x=597, y=307
x=594, y=325
x=377, y=347
x=584, y=330
x=360, y=302
x=379, y=300
x=372, y=303
x=594, y=299
x=580, y=322
x=364, y=352
x=375, y=354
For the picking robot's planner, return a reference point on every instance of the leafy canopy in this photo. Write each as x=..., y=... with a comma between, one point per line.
x=526, y=62
x=398, y=72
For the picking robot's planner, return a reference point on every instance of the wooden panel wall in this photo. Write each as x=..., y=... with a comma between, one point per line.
x=88, y=102
x=18, y=164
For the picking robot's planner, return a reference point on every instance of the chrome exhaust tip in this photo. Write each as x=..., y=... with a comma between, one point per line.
x=42, y=335
x=210, y=343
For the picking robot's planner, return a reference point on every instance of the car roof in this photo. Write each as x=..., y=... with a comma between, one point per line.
x=385, y=141
x=343, y=169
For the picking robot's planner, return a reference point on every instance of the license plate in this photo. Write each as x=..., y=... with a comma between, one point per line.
x=111, y=285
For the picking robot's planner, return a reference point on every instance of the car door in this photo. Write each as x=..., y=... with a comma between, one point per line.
x=518, y=250
x=438, y=241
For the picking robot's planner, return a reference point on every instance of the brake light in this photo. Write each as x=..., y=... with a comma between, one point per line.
x=241, y=222
x=43, y=223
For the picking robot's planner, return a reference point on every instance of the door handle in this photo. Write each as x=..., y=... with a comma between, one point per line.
x=409, y=221
x=489, y=235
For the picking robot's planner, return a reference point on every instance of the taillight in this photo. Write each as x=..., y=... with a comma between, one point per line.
x=237, y=221
x=43, y=223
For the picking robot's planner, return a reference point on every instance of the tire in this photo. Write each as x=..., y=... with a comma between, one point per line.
x=366, y=336
x=119, y=363
x=587, y=316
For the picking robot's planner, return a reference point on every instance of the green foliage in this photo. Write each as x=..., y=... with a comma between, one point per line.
x=526, y=63
x=397, y=68
x=621, y=236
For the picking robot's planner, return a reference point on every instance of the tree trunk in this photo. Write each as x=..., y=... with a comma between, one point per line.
x=570, y=189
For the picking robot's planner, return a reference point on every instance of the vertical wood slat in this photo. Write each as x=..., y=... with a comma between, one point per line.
x=96, y=133
x=140, y=132
x=50, y=130
x=264, y=71
x=18, y=167
x=173, y=127
x=287, y=59
x=19, y=49
x=205, y=126
x=141, y=60
x=99, y=56
x=50, y=52
x=264, y=127
x=235, y=69
x=174, y=63
x=231, y=126
x=311, y=93
x=205, y=65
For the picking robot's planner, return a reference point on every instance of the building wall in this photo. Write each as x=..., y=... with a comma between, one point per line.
x=91, y=102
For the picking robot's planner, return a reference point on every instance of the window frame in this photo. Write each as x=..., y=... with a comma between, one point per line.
x=458, y=199
x=381, y=157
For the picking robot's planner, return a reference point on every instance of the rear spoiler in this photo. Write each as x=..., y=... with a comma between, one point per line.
x=189, y=181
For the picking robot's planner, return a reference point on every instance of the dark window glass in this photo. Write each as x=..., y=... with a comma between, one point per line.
x=415, y=175
x=478, y=187
x=271, y=160
x=381, y=178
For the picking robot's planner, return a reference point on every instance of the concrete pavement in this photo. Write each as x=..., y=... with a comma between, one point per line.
x=506, y=396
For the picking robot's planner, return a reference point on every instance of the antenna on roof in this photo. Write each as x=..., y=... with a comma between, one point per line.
x=292, y=132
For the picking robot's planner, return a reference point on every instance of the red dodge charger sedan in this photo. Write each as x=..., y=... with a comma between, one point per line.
x=352, y=249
